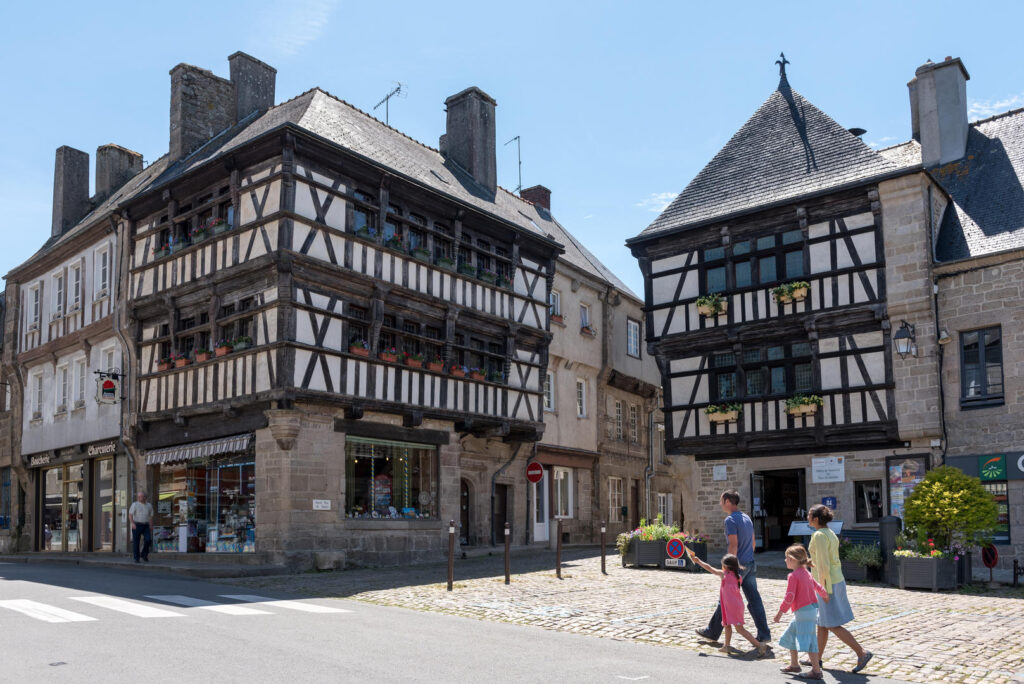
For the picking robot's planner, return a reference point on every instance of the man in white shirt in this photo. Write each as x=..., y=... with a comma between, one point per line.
x=140, y=514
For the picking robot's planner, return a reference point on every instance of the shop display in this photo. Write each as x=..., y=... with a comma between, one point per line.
x=390, y=480
x=904, y=474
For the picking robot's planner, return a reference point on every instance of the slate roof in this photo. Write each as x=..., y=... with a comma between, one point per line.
x=788, y=149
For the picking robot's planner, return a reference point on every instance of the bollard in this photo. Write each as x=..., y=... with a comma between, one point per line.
x=603, y=572
x=451, y=553
x=508, y=539
x=558, y=551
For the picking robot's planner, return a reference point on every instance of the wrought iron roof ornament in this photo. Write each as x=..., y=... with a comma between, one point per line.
x=782, y=64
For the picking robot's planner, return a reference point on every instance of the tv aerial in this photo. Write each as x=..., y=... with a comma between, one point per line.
x=519, y=157
x=397, y=91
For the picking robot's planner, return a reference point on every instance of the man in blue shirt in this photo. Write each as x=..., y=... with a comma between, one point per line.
x=739, y=531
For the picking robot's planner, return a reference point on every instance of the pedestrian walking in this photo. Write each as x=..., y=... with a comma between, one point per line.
x=824, y=548
x=729, y=600
x=140, y=514
x=802, y=598
x=739, y=533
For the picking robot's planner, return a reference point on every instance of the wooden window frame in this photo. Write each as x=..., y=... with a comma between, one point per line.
x=985, y=399
x=741, y=368
x=729, y=259
x=632, y=323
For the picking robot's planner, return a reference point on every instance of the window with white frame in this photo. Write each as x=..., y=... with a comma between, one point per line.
x=555, y=303
x=563, y=492
x=584, y=316
x=618, y=420
x=75, y=283
x=80, y=380
x=549, y=392
x=34, y=295
x=665, y=508
x=37, y=395
x=109, y=359
x=58, y=295
x=62, y=389
x=633, y=337
x=102, y=274
x=615, y=499
x=581, y=398
x=634, y=424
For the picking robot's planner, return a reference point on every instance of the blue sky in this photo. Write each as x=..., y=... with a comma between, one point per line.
x=618, y=105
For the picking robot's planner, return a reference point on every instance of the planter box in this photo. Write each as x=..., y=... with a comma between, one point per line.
x=783, y=299
x=421, y=255
x=221, y=228
x=160, y=253
x=457, y=373
x=389, y=358
x=181, y=363
x=799, y=294
x=199, y=237
x=202, y=356
x=854, y=572
x=964, y=570
x=222, y=351
x=705, y=310
x=803, y=410
x=359, y=351
x=413, y=363
x=446, y=264
x=927, y=573
x=724, y=416
x=240, y=346
x=467, y=270
x=645, y=553
x=436, y=367
x=684, y=562
x=476, y=376
x=556, y=318
x=164, y=366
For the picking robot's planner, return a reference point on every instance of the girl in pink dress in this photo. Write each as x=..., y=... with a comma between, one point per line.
x=731, y=600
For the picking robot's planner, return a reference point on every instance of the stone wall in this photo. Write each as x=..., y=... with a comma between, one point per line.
x=202, y=105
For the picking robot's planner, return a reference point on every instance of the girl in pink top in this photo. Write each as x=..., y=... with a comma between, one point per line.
x=731, y=600
x=802, y=594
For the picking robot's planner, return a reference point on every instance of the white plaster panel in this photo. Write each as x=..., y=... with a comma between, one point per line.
x=865, y=246
x=664, y=289
x=821, y=258
x=831, y=376
x=859, y=220
x=828, y=344
x=691, y=285
x=668, y=263
x=817, y=230
x=304, y=201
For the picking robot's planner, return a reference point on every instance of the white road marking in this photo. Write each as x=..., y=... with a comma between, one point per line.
x=141, y=610
x=191, y=602
x=282, y=603
x=41, y=611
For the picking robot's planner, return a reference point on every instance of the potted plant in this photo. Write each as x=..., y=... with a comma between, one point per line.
x=181, y=360
x=420, y=254
x=789, y=292
x=164, y=364
x=445, y=262
x=395, y=242
x=713, y=304
x=241, y=342
x=218, y=225
x=199, y=233
x=587, y=330
x=436, y=364
x=366, y=232
x=458, y=371
x=388, y=354
x=860, y=562
x=223, y=347
x=698, y=541
x=486, y=275
x=504, y=282
x=414, y=360
x=803, y=405
x=467, y=269
x=724, y=413
x=495, y=376
x=557, y=318
x=920, y=569
x=160, y=251
x=202, y=354
x=476, y=374
x=646, y=544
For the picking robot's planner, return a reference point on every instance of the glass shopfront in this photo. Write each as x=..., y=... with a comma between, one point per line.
x=390, y=480
x=207, y=505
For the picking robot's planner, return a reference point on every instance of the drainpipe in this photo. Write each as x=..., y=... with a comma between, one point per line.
x=938, y=326
x=115, y=282
x=494, y=484
x=649, y=469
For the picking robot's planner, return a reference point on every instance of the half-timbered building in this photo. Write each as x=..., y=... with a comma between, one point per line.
x=330, y=323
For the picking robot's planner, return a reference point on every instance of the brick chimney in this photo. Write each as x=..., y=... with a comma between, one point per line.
x=254, y=84
x=115, y=166
x=938, y=110
x=70, y=189
x=538, y=194
x=469, y=138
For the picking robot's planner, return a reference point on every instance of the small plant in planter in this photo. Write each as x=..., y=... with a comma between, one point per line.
x=446, y=263
x=504, y=282
x=477, y=374
x=160, y=251
x=724, y=413
x=495, y=376
x=199, y=233
x=420, y=254
x=791, y=292
x=458, y=371
x=366, y=232
x=713, y=304
x=467, y=269
x=181, y=360
x=803, y=405
x=203, y=355
x=557, y=318
x=436, y=364
x=218, y=225
x=859, y=561
x=165, y=364
x=388, y=354
x=241, y=342
x=587, y=330
x=223, y=347
x=359, y=347
x=395, y=242
x=486, y=275
x=414, y=360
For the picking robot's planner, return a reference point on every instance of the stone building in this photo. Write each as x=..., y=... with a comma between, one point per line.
x=881, y=258
x=602, y=441
x=9, y=498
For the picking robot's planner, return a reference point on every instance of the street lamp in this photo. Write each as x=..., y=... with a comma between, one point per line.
x=905, y=340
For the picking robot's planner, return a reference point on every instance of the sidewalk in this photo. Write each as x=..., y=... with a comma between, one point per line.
x=188, y=568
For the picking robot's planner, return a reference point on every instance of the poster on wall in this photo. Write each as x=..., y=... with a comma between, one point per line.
x=905, y=473
x=381, y=492
x=828, y=469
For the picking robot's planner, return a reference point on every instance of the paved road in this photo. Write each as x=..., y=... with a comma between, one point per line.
x=74, y=624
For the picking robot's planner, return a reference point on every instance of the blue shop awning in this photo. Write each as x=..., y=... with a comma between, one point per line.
x=186, y=452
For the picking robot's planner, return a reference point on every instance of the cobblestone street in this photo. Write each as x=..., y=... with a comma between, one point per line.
x=916, y=636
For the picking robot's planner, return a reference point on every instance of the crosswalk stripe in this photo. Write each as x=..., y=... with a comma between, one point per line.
x=141, y=610
x=191, y=602
x=283, y=603
x=41, y=611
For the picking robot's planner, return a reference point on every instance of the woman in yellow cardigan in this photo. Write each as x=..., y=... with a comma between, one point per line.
x=824, y=550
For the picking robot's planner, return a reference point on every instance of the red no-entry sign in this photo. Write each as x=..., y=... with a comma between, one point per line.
x=535, y=472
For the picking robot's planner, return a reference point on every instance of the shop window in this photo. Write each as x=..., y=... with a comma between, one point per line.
x=869, y=500
x=615, y=499
x=563, y=492
x=5, y=498
x=390, y=480
x=981, y=368
x=998, y=490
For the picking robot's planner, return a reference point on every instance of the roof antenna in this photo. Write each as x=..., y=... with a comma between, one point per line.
x=519, y=156
x=397, y=90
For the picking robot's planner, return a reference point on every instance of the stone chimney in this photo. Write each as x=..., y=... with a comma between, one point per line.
x=70, y=189
x=254, y=84
x=202, y=105
x=469, y=138
x=938, y=110
x=538, y=194
x=115, y=166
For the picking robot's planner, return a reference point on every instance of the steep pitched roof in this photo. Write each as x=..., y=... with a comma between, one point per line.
x=789, y=148
x=577, y=255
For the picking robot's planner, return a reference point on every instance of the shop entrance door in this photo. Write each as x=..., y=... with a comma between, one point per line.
x=634, y=504
x=778, y=499
x=541, y=532
x=64, y=514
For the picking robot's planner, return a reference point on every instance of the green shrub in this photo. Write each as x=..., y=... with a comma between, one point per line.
x=949, y=506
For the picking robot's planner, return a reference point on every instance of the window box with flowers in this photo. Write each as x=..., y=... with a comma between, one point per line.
x=477, y=374
x=458, y=371
x=803, y=405
x=366, y=233
x=165, y=364
x=242, y=342
x=446, y=263
x=495, y=376
x=203, y=355
x=223, y=347
x=791, y=292
x=467, y=269
x=181, y=360
x=486, y=275
x=218, y=225
x=413, y=360
x=199, y=233
x=588, y=331
x=420, y=254
x=557, y=318
x=713, y=304
x=160, y=251
x=359, y=348
x=646, y=544
x=396, y=243
x=504, y=282
x=436, y=364
x=389, y=355
x=724, y=413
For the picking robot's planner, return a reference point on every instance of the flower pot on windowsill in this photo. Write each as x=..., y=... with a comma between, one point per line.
x=803, y=410
x=221, y=227
x=710, y=311
x=445, y=263
x=799, y=294
x=588, y=331
x=202, y=356
x=457, y=372
x=359, y=351
x=783, y=299
x=223, y=350
x=387, y=357
x=487, y=276
x=414, y=363
x=477, y=376
x=239, y=346
x=724, y=416
x=436, y=367
x=199, y=237
x=182, y=362
x=557, y=318
x=420, y=254
x=467, y=270
x=164, y=366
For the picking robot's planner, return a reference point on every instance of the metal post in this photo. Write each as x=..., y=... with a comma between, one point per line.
x=508, y=540
x=451, y=553
x=558, y=550
x=603, y=529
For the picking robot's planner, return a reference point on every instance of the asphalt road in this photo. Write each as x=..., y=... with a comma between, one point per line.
x=74, y=624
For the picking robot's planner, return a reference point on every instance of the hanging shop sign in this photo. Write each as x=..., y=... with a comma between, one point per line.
x=108, y=388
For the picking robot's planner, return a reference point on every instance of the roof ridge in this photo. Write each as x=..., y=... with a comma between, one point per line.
x=372, y=117
x=892, y=147
x=1001, y=115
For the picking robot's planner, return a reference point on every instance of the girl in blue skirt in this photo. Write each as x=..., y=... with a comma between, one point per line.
x=802, y=594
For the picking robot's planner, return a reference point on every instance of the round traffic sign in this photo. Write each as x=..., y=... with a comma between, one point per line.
x=989, y=556
x=535, y=472
x=674, y=547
